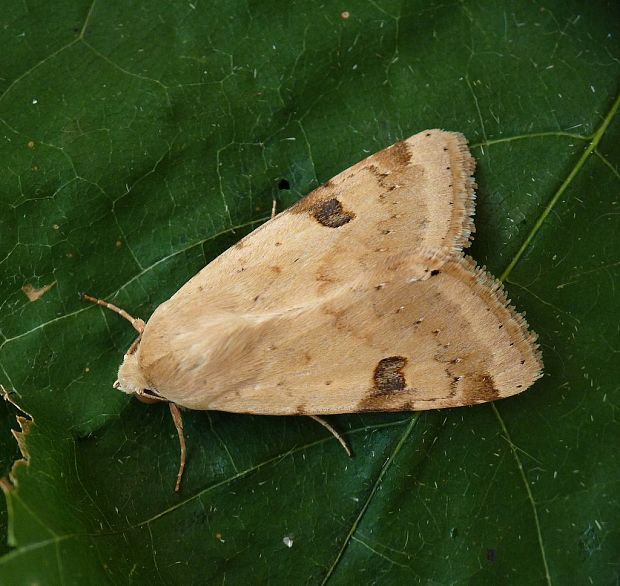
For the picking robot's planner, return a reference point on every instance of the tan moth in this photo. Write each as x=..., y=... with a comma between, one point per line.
x=357, y=298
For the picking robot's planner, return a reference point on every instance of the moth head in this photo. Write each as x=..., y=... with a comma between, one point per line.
x=130, y=378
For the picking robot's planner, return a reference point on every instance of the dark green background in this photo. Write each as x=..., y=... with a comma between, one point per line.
x=140, y=140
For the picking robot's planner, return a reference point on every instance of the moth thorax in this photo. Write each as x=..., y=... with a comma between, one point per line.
x=130, y=377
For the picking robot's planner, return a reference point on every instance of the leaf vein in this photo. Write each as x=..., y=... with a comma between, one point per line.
x=530, y=496
x=373, y=491
x=596, y=139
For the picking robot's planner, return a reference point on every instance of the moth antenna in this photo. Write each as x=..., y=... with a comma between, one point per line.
x=331, y=430
x=136, y=322
x=178, y=423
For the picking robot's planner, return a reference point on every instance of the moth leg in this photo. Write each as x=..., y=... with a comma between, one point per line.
x=178, y=423
x=331, y=430
x=136, y=322
x=274, y=203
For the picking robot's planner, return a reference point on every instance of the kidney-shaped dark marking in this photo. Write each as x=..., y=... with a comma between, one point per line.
x=388, y=376
x=330, y=213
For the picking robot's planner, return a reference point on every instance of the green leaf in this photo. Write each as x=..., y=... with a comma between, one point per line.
x=141, y=141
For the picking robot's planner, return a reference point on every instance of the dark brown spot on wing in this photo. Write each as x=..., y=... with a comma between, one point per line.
x=323, y=205
x=330, y=213
x=388, y=376
x=478, y=388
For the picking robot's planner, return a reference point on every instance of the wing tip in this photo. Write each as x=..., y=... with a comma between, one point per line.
x=465, y=188
x=495, y=288
x=463, y=166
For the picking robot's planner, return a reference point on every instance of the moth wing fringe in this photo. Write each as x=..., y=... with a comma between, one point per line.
x=487, y=282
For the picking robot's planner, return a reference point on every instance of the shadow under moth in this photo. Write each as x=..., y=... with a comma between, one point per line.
x=357, y=298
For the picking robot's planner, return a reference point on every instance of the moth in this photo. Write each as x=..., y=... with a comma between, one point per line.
x=357, y=298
